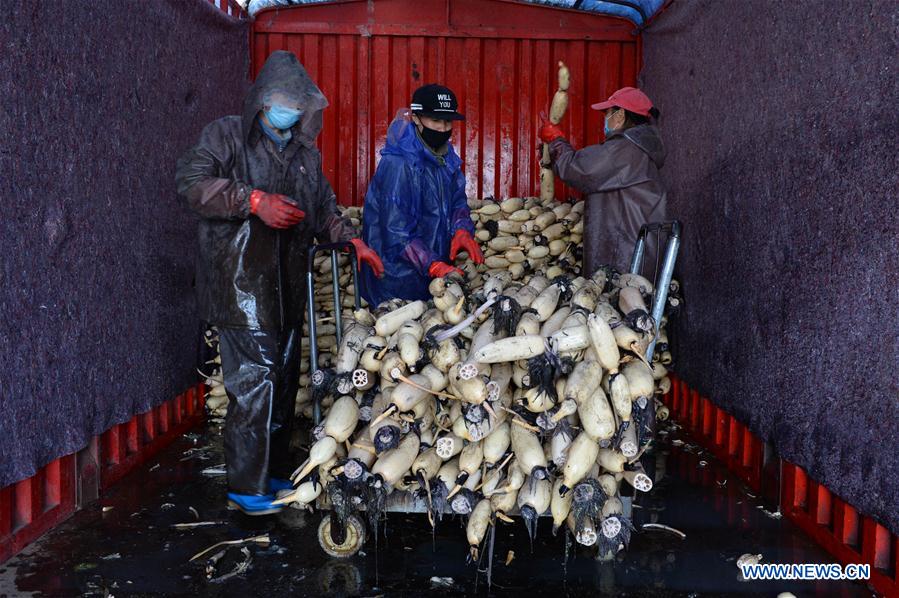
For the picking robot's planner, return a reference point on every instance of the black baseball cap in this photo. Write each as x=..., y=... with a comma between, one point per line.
x=436, y=101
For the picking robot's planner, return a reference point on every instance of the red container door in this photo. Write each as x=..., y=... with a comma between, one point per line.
x=500, y=57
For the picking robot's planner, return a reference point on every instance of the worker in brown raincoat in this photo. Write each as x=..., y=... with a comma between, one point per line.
x=256, y=181
x=620, y=178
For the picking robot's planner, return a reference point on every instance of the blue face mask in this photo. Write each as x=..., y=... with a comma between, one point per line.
x=606, y=129
x=282, y=117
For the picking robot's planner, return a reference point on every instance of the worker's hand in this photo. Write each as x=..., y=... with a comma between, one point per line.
x=441, y=269
x=366, y=254
x=463, y=240
x=276, y=210
x=550, y=132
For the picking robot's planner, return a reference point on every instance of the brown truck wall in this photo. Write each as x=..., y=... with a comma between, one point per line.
x=781, y=125
x=97, y=320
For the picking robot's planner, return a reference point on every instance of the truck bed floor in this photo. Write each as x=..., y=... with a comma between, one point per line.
x=125, y=545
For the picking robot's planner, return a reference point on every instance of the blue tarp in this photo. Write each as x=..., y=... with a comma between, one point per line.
x=637, y=11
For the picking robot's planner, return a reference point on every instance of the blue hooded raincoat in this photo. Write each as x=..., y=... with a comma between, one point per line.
x=414, y=205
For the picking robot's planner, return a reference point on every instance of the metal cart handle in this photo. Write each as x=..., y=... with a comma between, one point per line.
x=674, y=228
x=310, y=301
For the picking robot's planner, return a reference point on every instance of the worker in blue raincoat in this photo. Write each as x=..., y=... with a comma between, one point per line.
x=416, y=214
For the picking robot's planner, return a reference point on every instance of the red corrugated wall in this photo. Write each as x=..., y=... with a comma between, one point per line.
x=499, y=56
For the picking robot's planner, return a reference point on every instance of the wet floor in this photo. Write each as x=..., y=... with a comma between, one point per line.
x=126, y=545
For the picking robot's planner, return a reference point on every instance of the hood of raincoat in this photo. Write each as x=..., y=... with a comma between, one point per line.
x=649, y=139
x=250, y=275
x=282, y=72
x=414, y=205
x=403, y=140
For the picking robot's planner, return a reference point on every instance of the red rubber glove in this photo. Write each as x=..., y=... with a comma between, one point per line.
x=463, y=240
x=550, y=132
x=441, y=269
x=366, y=254
x=274, y=209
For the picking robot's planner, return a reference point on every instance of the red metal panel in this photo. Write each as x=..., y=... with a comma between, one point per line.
x=720, y=429
x=6, y=509
x=36, y=504
x=132, y=438
x=22, y=504
x=156, y=432
x=875, y=544
x=506, y=76
x=827, y=519
x=277, y=41
x=471, y=85
x=819, y=503
x=845, y=525
x=733, y=438
x=446, y=18
x=369, y=56
x=32, y=506
x=164, y=414
x=526, y=139
x=708, y=418
x=52, y=489
x=489, y=121
x=694, y=411
x=328, y=78
x=347, y=147
x=895, y=565
x=379, y=96
x=363, y=107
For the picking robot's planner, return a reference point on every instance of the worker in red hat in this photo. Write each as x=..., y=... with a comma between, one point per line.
x=620, y=178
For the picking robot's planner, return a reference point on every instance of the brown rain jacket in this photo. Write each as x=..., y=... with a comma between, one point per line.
x=250, y=275
x=623, y=191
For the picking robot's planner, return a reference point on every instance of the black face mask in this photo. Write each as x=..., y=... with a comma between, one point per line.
x=435, y=139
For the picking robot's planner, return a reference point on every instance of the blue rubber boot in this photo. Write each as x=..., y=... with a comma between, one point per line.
x=275, y=485
x=250, y=504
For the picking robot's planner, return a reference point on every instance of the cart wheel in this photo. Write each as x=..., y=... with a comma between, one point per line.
x=355, y=537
